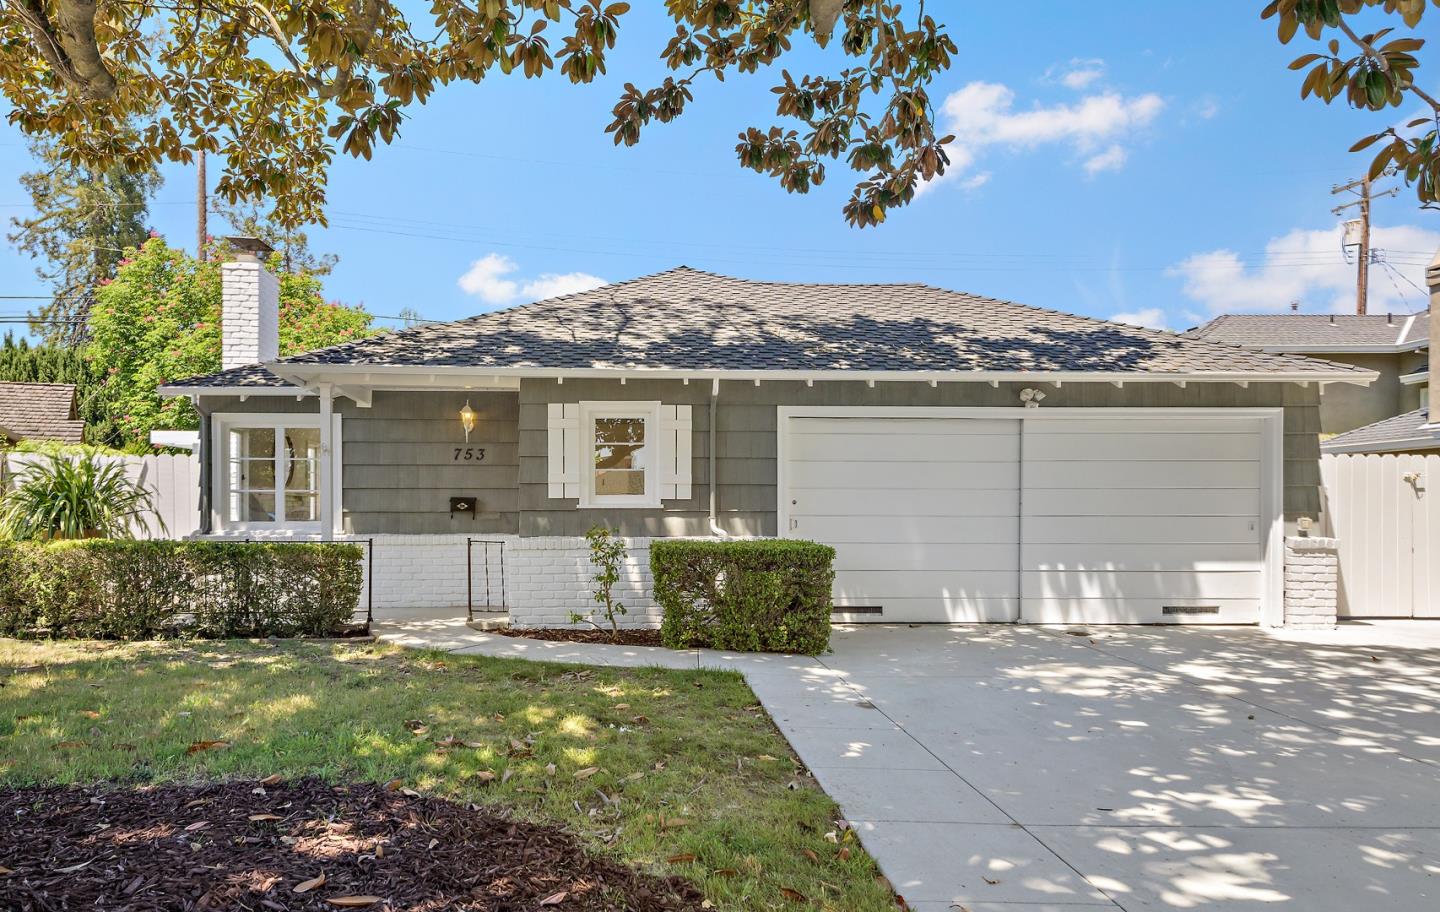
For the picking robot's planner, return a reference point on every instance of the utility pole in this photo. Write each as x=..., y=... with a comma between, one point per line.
x=200, y=227
x=1362, y=261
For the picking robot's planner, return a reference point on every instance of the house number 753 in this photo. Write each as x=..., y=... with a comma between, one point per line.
x=469, y=454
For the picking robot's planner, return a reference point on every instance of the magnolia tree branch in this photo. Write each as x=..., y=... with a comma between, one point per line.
x=68, y=44
x=1384, y=65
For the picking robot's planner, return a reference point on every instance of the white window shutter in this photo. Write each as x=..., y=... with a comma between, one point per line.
x=676, y=436
x=563, y=469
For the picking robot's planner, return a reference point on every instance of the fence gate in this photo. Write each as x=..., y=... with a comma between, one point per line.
x=1388, y=525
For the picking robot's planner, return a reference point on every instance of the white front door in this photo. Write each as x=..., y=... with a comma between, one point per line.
x=923, y=514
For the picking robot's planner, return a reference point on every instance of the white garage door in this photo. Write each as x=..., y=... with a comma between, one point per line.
x=924, y=513
x=1095, y=520
x=1153, y=520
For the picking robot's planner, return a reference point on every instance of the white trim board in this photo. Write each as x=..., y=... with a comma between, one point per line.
x=1271, y=512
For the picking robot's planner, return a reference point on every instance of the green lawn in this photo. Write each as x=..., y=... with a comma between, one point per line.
x=653, y=766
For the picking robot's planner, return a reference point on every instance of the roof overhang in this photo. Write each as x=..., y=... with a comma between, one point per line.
x=1422, y=376
x=357, y=379
x=1405, y=444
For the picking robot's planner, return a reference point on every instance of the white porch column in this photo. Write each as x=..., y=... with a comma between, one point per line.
x=327, y=468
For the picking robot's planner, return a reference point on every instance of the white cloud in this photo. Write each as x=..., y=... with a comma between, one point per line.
x=1080, y=73
x=1307, y=266
x=1152, y=317
x=1112, y=159
x=486, y=279
x=490, y=279
x=1096, y=128
x=976, y=182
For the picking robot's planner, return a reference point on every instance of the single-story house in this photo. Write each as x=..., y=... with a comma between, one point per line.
x=39, y=412
x=971, y=459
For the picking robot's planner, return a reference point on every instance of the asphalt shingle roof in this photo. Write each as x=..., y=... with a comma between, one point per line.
x=1390, y=434
x=1311, y=330
x=685, y=319
x=39, y=411
x=251, y=375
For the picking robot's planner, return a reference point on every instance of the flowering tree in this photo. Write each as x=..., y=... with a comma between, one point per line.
x=159, y=321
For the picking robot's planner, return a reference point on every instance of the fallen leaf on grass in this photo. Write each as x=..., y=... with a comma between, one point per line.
x=843, y=854
x=311, y=884
x=89, y=714
x=670, y=823
x=682, y=858
x=199, y=746
x=394, y=785
x=485, y=775
x=554, y=899
x=587, y=772
x=726, y=872
x=635, y=777
x=810, y=854
x=353, y=901
x=793, y=895
x=767, y=758
x=275, y=779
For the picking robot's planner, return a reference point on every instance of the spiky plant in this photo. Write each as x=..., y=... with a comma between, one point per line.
x=73, y=497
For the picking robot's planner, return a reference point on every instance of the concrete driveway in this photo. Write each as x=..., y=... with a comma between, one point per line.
x=1015, y=769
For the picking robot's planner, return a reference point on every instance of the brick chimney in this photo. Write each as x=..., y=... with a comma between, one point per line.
x=250, y=306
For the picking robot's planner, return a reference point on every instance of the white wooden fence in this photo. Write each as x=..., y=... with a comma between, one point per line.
x=1388, y=525
x=174, y=483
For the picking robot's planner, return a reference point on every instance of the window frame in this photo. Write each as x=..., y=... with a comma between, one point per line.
x=648, y=412
x=222, y=424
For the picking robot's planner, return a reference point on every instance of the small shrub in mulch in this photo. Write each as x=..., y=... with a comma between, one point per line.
x=302, y=845
x=626, y=637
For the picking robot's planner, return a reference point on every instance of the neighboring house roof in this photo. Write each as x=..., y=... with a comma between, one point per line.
x=39, y=411
x=1403, y=432
x=1316, y=332
x=688, y=320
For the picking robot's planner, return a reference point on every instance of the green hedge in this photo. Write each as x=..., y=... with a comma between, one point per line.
x=766, y=595
x=105, y=589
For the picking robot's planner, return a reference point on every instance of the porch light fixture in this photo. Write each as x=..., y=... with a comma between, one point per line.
x=1031, y=397
x=467, y=419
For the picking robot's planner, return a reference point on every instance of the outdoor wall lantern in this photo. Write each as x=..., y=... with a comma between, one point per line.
x=467, y=419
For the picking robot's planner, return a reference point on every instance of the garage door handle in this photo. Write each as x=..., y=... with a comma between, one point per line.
x=794, y=523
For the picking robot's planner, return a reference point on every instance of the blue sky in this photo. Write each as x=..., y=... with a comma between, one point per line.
x=1118, y=158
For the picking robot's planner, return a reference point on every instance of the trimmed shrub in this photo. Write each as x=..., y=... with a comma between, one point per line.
x=763, y=595
x=106, y=589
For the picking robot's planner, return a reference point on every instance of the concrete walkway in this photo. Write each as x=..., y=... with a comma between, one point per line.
x=1019, y=769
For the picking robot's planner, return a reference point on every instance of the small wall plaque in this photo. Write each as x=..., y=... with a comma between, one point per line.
x=465, y=506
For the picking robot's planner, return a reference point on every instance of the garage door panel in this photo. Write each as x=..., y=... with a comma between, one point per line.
x=1140, y=611
x=892, y=474
x=897, y=501
x=871, y=448
x=1150, y=446
x=1142, y=474
x=1142, y=502
x=1198, y=427
x=1162, y=584
x=868, y=584
x=1093, y=557
x=887, y=556
x=908, y=529
x=934, y=610
x=1126, y=530
x=917, y=427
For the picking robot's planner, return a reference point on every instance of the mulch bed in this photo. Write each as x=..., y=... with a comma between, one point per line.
x=626, y=637
x=253, y=846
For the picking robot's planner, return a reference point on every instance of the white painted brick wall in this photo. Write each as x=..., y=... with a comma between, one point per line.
x=1312, y=582
x=250, y=314
x=549, y=578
